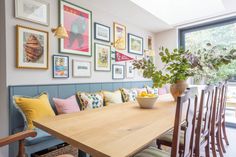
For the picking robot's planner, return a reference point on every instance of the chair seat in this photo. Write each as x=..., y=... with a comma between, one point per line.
x=168, y=136
x=41, y=137
x=152, y=152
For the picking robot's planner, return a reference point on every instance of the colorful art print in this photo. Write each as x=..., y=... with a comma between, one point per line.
x=81, y=68
x=32, y=48
x=129, y=70
x=37, y=11
x=60, y=66
x=119, y=36
x=101, y=32
x=117, y=71
x=102, y=57
x=135, y=44
x=78, y=24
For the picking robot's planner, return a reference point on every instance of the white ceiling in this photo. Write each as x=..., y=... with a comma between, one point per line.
x=160, y=15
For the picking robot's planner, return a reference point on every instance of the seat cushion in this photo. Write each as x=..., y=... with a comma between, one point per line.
x=168, y=136
x=41, y=136
x=152, y=152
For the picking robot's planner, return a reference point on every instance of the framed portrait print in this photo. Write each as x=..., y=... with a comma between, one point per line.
x=119, y=36
x=81, y=68
x=129, y=70
x=135, y=44
x=102, y=57
x=117, y=71
x=37, y=11
x=101, y=32
x=32, y=48
x=60, y=66
x=78, y=24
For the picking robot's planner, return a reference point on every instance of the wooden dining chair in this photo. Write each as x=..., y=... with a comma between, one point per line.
x=202, y=141
x=185, y=109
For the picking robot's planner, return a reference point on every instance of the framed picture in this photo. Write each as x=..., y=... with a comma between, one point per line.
x=102, y=57
x=60, y=66
x=129, y=70
x=78, y=24
x=135, y=44
x=119, y=36
x=32, y=48
x=101, y=32
x=117, y=71
x=81, y=68
x=37, y=11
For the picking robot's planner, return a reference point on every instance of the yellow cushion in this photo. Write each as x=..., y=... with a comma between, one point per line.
x=112, y=97
x=34, y=108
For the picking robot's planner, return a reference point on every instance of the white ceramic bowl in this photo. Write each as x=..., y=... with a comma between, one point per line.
x=147, y=102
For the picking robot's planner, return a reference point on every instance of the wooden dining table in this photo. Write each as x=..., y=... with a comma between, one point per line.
x=118, y=130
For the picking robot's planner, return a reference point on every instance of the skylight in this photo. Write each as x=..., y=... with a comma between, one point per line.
x=176, y=12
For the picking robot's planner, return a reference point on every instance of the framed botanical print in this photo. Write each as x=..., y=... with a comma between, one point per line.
x=81, y=68
x=101, y=32
x=60, y=66
x=102, y=57
x=129, y=70
x=37, y=11
x=135, y=44
x=119, y=36
x=78, y=24
x=117, y=71
x=32, y=48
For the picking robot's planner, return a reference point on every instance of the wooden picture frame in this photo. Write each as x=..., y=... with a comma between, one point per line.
x=60, y=66
x=119, y=35
x=32, y=48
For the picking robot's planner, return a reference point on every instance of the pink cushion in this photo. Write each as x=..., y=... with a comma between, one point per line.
x=68, y=105
x=162, y=91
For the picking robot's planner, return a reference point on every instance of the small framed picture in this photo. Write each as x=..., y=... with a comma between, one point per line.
x=101, y=32
x=119, y=36
x=117, y=71
x=135, y=44
x=37, y=11
x=60, y=66
x=32, y=48
x=102, y=57
x=81, y=68
x=129, y=70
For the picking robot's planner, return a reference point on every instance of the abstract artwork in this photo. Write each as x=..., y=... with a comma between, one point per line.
x=81, y=68
x=119, y=36
x=102, y=57
x=117, y=71
x=32, y=48
x=135, y=44
x=60, y=66
x=77, y=22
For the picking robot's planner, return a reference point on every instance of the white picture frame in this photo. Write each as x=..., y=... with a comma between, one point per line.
x=81, y=68
x=37, y=11
x=129, y=70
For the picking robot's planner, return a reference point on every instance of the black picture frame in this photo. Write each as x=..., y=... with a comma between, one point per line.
x=113, y=75
x=129, y=44
x=95, y=32
x=53, y=65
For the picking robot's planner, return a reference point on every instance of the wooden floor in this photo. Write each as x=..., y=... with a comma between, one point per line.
x=231, y=149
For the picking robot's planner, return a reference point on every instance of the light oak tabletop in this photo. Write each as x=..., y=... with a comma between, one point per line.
x=117, y=131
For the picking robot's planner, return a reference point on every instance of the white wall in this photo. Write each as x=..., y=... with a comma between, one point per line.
x=167, y=39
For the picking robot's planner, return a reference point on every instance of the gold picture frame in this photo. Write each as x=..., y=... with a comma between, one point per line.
x=119, y=36
x=32, y=48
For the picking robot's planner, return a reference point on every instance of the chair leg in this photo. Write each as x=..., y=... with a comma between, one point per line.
x=224, y=133
x=219, y=147
x=213, y=145
x=207, y=149
x=221, y=141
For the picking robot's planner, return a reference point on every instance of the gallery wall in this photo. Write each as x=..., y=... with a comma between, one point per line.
x=26, y=76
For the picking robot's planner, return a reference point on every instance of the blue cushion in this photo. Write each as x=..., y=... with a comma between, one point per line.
x=41, y=137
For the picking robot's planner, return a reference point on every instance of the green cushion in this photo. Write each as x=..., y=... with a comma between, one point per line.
x=152, y=152
x=169, y=135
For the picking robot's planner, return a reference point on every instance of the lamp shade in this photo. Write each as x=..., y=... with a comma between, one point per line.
x=60, y=32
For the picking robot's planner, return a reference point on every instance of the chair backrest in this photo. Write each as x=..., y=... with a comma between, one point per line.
x=204, y=115
x=223, y=99
x=187, y=108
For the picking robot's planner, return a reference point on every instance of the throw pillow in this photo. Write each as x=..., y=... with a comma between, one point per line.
x=90, y=100
x=65, y=106
x=128, y=95
x=151, y=90
x=112, y=97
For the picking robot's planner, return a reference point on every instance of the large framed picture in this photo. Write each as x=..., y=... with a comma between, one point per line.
x=37, y=11
x=129, y=70
x=117, y=72
x=102, y=57
x=135, y=44
x=81, y=68
x=32, y=48
x=101, y=32
x=119, y=36
x=60, y=66
x=78, y=24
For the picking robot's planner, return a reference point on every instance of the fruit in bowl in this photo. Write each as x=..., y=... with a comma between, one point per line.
x=146, y=100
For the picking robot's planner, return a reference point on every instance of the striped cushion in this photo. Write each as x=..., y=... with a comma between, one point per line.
x=152, y=152
x=169, y=135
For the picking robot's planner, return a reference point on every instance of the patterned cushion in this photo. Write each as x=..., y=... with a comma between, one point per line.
x=68, y=105
x=90, y=100
x=112, y=97
x=152, y=152
x=151, y=90
x=129, y=95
